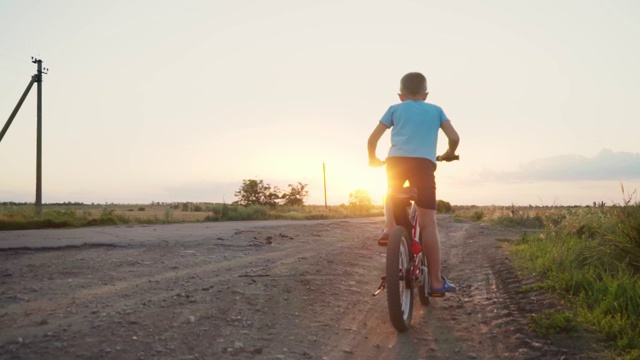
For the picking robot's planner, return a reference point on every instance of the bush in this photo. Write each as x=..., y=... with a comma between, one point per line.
x=478, y=214
x=109, y=217
x=360, y=201
x=444, y=207
x=252, y=212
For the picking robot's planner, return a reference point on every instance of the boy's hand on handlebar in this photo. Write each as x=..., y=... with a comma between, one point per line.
x=448, y=156
x=375, y=162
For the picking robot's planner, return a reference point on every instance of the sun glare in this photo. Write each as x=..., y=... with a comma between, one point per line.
x=373, y=181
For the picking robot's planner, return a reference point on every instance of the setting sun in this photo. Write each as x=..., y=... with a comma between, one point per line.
x=347, y=180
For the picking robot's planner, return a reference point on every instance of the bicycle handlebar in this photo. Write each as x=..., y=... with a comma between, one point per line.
x=438, y=158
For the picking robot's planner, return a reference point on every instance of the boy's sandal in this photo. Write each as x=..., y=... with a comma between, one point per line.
x=383, y=240
x=442, y=291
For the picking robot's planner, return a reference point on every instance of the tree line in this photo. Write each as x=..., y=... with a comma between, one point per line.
x=257, y=192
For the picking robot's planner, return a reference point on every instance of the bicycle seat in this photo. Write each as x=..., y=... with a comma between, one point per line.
x=406, y=193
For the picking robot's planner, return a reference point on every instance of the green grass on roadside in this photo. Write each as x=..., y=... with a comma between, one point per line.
x=508, y=216
x=23, y=217
x=554, y=322
x=224, y=212
x=590, y=258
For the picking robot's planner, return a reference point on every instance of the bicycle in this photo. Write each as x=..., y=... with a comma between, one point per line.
x=406, y=264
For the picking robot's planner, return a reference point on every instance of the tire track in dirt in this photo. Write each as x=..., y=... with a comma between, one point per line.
x=486, y=319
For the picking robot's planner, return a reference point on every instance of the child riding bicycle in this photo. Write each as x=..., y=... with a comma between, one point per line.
x=412, y=156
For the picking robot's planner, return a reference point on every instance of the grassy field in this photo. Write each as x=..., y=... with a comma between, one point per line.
x=24, y=216
x=589, y=257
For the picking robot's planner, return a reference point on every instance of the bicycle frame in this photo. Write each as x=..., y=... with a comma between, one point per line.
x=410, y=222
x=417, y=250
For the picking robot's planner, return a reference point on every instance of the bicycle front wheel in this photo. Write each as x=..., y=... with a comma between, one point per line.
x=398, y=279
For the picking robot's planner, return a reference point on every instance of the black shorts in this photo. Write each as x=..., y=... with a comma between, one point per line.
x=420, y=173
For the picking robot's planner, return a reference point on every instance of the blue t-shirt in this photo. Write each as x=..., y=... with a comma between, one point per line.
x=415, y=126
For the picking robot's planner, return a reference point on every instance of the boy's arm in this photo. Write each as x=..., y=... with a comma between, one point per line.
x=372, y=144
x=454, y=138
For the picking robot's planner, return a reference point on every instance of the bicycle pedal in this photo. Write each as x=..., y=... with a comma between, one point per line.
x=381, y=288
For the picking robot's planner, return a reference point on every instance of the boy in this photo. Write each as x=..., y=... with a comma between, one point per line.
x=412, y=157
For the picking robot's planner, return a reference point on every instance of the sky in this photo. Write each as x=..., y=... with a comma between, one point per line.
x=180, y=101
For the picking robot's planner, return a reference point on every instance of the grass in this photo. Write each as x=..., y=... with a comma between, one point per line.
x=554, y=322
x=590, y=257
x=24, y=216
x=509, y=216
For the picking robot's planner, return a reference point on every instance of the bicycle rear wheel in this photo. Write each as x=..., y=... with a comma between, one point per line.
x=398, y=279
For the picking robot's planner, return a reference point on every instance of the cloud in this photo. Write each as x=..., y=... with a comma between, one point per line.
x=606, y=165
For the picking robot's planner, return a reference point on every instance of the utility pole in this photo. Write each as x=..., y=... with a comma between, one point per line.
x=324, y=175
x=39, y=135
x=37, y=78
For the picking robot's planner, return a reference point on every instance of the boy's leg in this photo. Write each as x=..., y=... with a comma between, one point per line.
x=389, y=221
x=431, y=245
x=395, y=178
x=423, y=177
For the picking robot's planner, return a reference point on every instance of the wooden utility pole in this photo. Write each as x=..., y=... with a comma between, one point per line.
x=324, y=175
x=37, y=78
x=41, y=71
x=39, y=136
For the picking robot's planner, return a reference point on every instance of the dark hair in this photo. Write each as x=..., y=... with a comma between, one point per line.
x=413, y=83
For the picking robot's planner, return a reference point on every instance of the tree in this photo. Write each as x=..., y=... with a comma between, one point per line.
x=296, y=195
x=256, y=192
x=360, y=201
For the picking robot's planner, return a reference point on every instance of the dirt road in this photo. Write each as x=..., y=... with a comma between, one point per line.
x=254, y=290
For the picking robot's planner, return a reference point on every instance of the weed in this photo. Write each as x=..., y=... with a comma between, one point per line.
x=109, y=217
x=551, y=322
x=168, y=215
x=521, y=220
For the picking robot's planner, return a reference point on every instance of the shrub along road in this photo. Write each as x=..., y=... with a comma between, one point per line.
x=255, y=290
